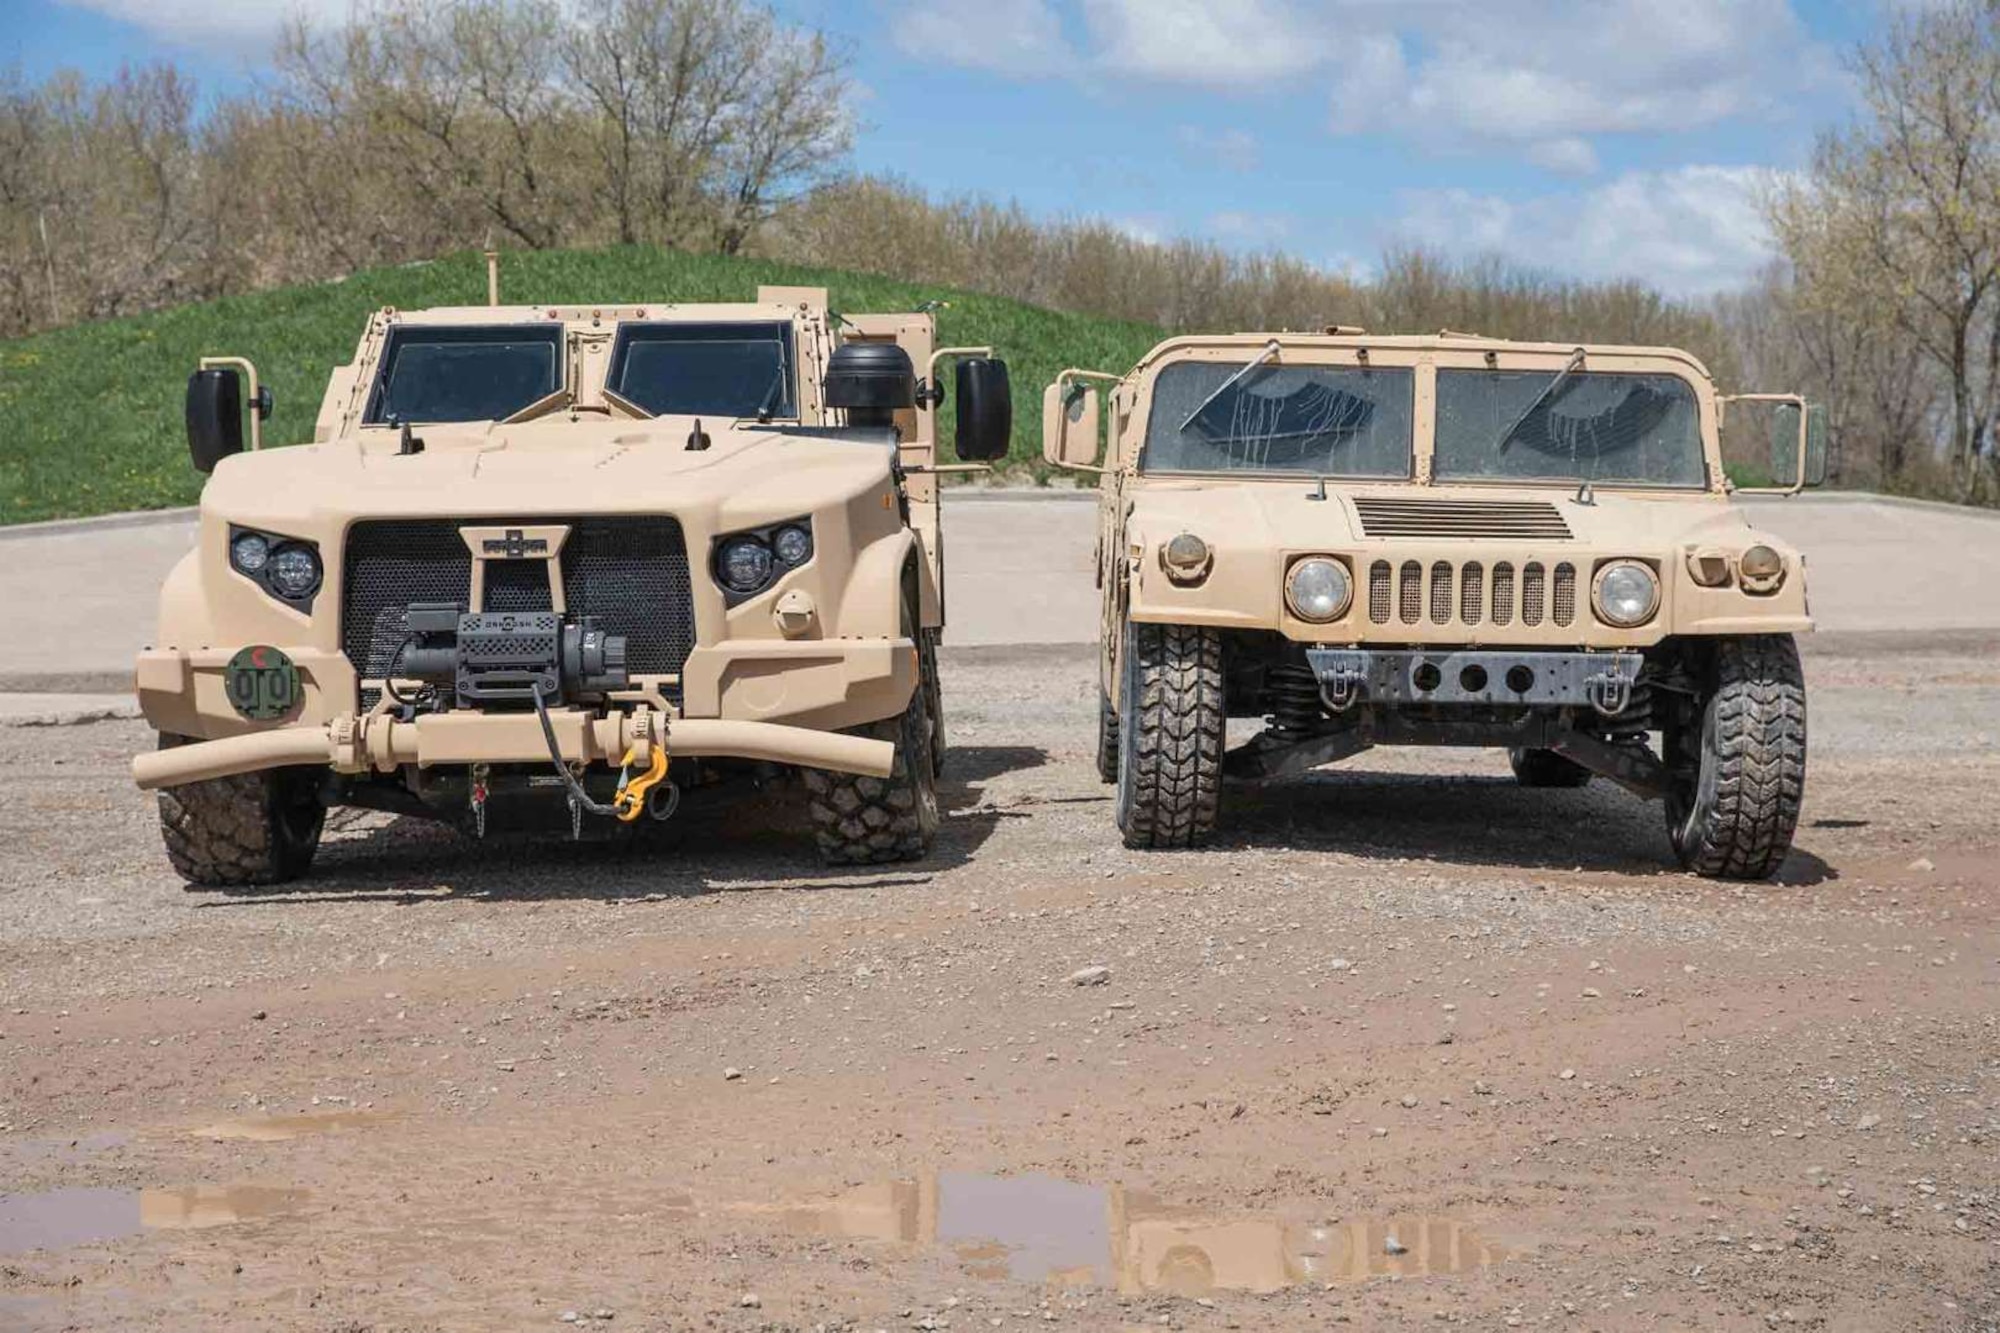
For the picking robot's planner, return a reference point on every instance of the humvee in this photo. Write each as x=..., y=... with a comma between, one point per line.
x=570, y=559
x=1448, y=540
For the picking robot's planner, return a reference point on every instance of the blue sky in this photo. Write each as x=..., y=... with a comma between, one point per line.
x=1599, y=138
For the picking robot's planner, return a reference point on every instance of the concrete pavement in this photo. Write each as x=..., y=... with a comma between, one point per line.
x=81, y=597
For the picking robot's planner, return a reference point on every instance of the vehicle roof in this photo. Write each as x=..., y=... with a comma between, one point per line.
x=1443, y=340
x=604, y=312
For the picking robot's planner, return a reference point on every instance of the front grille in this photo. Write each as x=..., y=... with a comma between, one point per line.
x=631, y=573
x=1468, y=595
x=1501, y=520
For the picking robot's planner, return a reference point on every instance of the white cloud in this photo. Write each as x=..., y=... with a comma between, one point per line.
x=1232, y=150
x=1241, y=43
x=1019, y=37
x=238, y=26
x=1689, y=231
x=1540, y=76
x=1569, y=156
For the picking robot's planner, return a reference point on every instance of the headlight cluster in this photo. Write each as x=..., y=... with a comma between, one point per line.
x=746, y=563
x=1318, y=589
x=288, y=568
x=1627, y=593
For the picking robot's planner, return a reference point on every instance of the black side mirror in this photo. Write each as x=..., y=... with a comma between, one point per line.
x=214, y=417
x=985, y=410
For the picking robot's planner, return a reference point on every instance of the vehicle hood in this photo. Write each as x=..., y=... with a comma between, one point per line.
x=747, y=474
x=1288, y=516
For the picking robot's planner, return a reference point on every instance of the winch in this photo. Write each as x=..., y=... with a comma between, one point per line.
x=511, y=657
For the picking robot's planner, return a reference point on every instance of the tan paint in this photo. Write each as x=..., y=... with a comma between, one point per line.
x=826, y=647
x=1258, y=526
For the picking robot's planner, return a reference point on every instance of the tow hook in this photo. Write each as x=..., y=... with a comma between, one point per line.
x=631, y=802
x=1608, y=692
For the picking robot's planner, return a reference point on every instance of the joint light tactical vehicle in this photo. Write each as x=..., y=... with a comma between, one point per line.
x=572, y=559
x=1445, y=540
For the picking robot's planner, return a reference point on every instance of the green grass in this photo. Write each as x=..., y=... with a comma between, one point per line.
x=91, y=416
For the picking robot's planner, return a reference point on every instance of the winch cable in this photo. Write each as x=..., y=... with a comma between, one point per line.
x=578, y=797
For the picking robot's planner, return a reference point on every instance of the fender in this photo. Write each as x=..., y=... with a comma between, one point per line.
x=872, y=606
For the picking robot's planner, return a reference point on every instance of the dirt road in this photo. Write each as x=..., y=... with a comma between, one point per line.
x=1413, y=1047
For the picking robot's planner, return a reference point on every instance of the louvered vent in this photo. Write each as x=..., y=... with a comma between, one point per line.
x=1524, y=520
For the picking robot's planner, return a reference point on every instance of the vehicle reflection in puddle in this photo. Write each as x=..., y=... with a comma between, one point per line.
x=280, y=1128
x=1041, y=1229
x=58, y=1218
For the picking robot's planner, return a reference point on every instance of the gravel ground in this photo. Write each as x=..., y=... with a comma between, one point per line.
x=1414, y=1046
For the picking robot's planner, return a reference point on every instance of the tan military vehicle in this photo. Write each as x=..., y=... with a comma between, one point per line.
x=580, y=559
x=1445, y=540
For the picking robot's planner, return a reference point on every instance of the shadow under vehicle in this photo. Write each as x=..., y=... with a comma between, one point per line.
x=1444, y=540
x=581, y=558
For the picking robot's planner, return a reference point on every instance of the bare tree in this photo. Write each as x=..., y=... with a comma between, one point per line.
x=1896, y=227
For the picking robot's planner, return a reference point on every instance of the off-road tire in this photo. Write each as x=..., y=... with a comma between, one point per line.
x=1170, y=737
x=871, y=821
x=1546, y=768
x=927, y=672
x=251, y=829
x=1107, y=738
x=1742, y=756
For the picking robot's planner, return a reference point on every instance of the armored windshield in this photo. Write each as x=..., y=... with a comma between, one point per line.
x=1333, y=421
x=1613, y=429
x=483, y=372
x=740, y=369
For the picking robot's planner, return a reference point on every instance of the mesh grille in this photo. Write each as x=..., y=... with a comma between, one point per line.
x=518, y=585
x=1471, y=590
x=1503, y=593
x=1533, y=589
x=630, y=573
x=1564, y=608
x=1378, y=592
x=1441, y=592
x=1411, y=591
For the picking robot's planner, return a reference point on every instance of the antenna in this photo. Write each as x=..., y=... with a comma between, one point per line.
x=492, y=271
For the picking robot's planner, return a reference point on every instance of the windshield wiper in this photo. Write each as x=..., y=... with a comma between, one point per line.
x=1270, y=351
x=1547, y=395
x=770, y=400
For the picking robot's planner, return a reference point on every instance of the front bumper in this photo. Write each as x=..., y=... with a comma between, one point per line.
x=381, y=743
x=1394, y=677
x=779, y=702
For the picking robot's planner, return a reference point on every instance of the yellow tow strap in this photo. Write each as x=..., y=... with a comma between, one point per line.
x=630, y=802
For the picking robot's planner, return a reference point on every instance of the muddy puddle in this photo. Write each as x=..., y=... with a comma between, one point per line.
x=58, y=1218
x=1045, y=1230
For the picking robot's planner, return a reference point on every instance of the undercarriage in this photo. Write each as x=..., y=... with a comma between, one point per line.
x=1712, y=727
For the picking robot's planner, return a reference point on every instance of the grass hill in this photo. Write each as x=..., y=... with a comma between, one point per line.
x=91, y=415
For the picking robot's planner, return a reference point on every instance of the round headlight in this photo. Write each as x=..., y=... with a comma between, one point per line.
x=793, y=545
x=744, y=564
x=249, y=552
x=1627, y=594
x=1318, y=589
x=1186, y=558
x=1761, y=562
x=294, y=570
